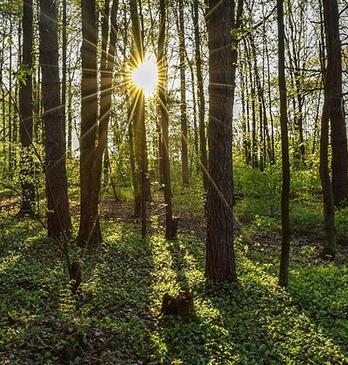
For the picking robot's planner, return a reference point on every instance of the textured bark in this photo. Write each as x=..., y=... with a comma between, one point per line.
x=330, y=77
x=94, y=129
x=200, y=96
x=328, y=200
x=89, y=231
x=220, y=262
x=164, y=118
x=334, y=88
x=58, y=216
x=26, y=111
x=183, y=105
x=285, y=249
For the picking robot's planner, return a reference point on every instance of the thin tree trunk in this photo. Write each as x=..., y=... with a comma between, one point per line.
x=285, y=250
x=26, y=117
x=109, y=30
x=194, y=111
x=171, y=226
x=64, y=65
x=139, y=122
x=183, y=106
x=200, y=96
x=328, y=200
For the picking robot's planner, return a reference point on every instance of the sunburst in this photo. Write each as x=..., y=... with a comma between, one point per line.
x=145, y=77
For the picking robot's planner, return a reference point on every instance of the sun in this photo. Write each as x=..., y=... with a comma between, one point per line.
x=145, y=77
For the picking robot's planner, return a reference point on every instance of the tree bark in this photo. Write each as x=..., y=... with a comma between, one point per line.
x=200, y=96
x=285, y=249
x=328, y=199
x=220, y=261
x=334, y=85
x=183, y=105
x=58, y=216
x=89, y=231
x=64, y=65
x=26, y=114
x=164, y=117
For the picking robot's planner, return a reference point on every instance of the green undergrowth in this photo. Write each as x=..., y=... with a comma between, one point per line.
x=115, y=318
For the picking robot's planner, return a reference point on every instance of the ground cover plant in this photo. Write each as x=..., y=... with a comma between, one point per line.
x=115, y=316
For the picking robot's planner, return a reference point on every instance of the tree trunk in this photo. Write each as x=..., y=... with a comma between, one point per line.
x=285, y=250
x=26, y=117
x=220, y=261
x=139, y=122
x=163, y=111
x=328, y=200
x=64, y=65
x=89, y=231
x=58, y=216
x=107, y=70
x=334, y=83
x=183, y=106
x=200, y=97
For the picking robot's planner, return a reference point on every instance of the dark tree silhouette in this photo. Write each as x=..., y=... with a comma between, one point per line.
x=334, y=90
x=26, y=111
x=285, y=251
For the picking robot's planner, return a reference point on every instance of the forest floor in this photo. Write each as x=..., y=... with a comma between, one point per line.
x=115, y=317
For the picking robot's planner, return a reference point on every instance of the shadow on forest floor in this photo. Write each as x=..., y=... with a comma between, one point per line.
x=115, y=319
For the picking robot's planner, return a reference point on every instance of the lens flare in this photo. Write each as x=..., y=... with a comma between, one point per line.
x=145, y=77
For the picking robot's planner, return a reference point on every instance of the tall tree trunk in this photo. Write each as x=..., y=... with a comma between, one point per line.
x=139, y=121
x=64, y=65
x=200, y=96
x=334, y=85
x=26, y=111
x=89, y=231
x=245, y=120
x=70, y=117
x=220, y=261
x=285, y=250
x=109, y=33
x=163, y=111
x=94, y=130
x=183, y=105
x=260, y=99
x=254, y=144
x=10, y=114
x=328, y=199
x=297, y=77
x=58, y=216
x=330, y=78
x=194, y=112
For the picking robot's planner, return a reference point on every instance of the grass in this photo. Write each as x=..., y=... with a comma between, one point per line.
x=115, y=319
